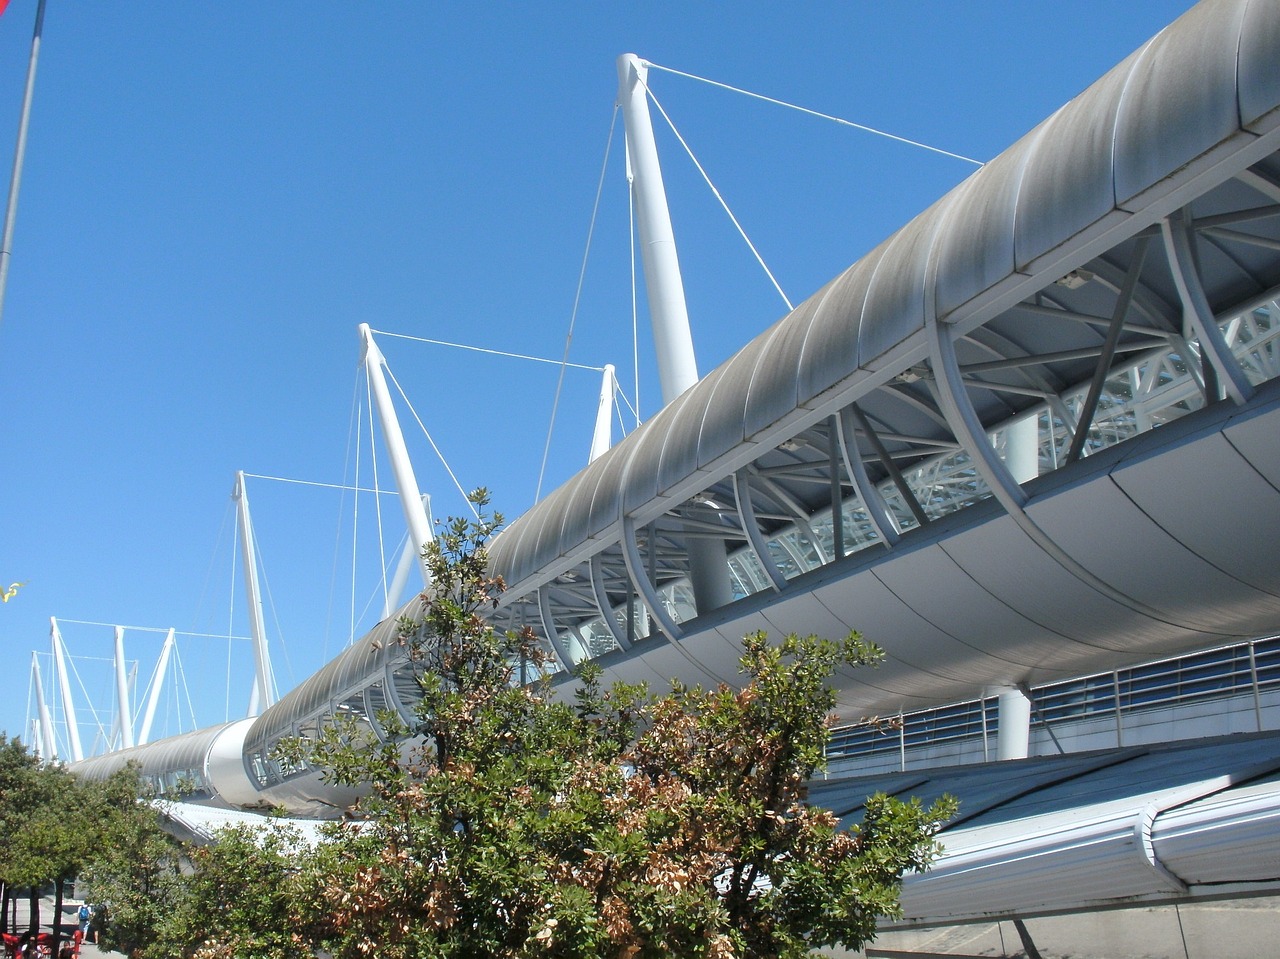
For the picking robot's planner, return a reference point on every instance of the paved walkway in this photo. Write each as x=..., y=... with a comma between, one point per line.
x=87, y=950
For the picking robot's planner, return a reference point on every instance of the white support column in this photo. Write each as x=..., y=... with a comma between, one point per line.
x=415, y=515
x=664, y=288
x=602, y=438
x=1022, y=448
x=263, y=694
x=677, y=368
x=124, y=706
x=1013, y=739
x=64, y=686
x=411, y=557
x=47, y=741
x=162, y=668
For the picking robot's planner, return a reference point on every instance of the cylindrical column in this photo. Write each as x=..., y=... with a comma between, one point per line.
x=677, y=368
x=64, y=686
x=263, y=694
x=153, y=700
x=415, y=516
x=46, y=742
x=124, y=710
x=672, y=340
x=1013, y=740
x=1022, y=448
x=602, y=437
x=19, y=151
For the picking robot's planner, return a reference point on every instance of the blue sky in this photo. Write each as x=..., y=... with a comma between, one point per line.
x=217, y=194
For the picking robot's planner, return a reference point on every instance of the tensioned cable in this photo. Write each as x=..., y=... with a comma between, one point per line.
x=815, y=113
x=577, y=300
x=215, y=559
x=341, y=486
x=147, y=629
x=634, y=410
x=353, y=425
x=71, y=663
x=275, y=618
x=716, y=193
x=377, y=509
x=443, y=462
x=491, y=352
x=181, y=672
x=231, y=612
x=355, y=509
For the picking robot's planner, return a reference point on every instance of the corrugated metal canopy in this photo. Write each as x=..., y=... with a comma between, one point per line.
x=1090, y=830
x=1083, y=250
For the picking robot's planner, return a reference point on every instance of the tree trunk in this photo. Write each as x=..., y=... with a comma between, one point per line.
x=4, y=907
x=33, y=909
x=57, y=915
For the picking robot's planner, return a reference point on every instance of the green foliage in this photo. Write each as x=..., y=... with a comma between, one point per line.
x=621, y=824
x=503, y=821
x=132, y=868
x=239, y=898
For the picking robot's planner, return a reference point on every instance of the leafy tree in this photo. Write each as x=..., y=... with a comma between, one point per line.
x=133, y=868
x=239, y=898
x=40, y=812
x=622, y=824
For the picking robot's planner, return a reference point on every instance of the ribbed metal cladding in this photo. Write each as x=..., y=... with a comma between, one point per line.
x=1164, y=122
x=1230, y=838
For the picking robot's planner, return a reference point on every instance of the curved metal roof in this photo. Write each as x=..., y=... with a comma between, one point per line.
x=1112, y=161
x=1089, y=831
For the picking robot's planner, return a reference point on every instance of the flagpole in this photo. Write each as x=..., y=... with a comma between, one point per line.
x=11, y=209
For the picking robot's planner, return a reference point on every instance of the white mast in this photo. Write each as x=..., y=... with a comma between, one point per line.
x=154, y=699
x=47, y=741
x=415, y=515
x=602, y=438
x=411, y=556
x=263, y=689
x=20, y=149
x=124, y=708
x=64, y=684
x=677, y=367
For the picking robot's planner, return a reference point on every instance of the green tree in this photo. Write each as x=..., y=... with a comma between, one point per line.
x=239, y=898
x=41, y=833
x=132, y=868
x=506, y=822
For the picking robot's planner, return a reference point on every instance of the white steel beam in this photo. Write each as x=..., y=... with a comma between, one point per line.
x=668, y=312
x=415, y=515
x=162, y=667
x=409, y=558
x=64, y=686
x=47, y=741
x=677, y=368
x=602, y=438
x=263, y=695
x=124, y=708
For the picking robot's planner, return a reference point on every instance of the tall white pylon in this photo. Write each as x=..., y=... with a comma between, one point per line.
x=47, y=742
x=263, y=694
x=602, y=438
x=415, y=515
x=157, y=683
x=409, y=558
x=64, y=685
x=124, y=705
x=664, y=288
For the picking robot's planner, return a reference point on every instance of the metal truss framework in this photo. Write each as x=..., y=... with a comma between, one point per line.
x=937, y=435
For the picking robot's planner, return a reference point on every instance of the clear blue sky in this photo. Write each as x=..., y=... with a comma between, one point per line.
x=217, y=194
